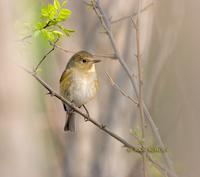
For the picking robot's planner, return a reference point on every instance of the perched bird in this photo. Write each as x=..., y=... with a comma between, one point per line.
x=78, y=84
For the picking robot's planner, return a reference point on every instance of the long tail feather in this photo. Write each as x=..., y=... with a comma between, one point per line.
x=70, y=122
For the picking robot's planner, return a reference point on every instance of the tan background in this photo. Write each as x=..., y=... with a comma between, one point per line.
x=32, y=139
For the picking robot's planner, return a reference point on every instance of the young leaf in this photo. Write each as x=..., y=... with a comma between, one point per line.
x=51, y=11
x=64, y=3
x=48, y=35
x=44, y=33
x=56, y=4
x=44, y=12
x=58, y=33
x=52, y=15
x=68, y=31
x=63, y=15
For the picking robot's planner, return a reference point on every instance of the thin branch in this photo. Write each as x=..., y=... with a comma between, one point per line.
x=44, y=57
x=161, y=167
x=133, y=14
x=158, y=166
x=47, y=24
x=95, y=55
x=77, y=110
x=139, y=63
x=104, y=21
x=26, y=37
x=116, y=86
x=134, y=25
x=113, y=57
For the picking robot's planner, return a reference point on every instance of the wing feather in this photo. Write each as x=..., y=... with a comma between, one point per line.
x=65, y=82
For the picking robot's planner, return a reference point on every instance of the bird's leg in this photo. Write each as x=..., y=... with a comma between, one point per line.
x=87, y=112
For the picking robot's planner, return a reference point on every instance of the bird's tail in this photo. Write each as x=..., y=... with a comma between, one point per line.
x=70, y=121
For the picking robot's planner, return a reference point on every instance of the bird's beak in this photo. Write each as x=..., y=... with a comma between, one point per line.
x=96, y=61
x=93, y=61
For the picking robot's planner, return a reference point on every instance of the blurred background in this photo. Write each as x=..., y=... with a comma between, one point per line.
x=32, y=140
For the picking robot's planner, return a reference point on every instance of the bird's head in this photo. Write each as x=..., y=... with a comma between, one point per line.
x=83, y=60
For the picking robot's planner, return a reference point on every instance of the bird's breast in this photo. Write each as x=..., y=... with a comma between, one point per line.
x=83, y=88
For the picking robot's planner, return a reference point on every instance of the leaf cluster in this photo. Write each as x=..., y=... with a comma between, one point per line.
x=52, y=16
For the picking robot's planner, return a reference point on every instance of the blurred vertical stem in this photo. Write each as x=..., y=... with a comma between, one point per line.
x=140, y=85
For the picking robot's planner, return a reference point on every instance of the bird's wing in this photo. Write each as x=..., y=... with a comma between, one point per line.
x=65, y=82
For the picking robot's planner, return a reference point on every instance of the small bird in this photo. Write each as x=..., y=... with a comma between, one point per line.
x=78, y=84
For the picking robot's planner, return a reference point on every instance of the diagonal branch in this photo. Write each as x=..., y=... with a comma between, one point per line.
x=45, y=56
x=133, y=14
x=161, y=167
x=115, y=85
x=110, y=56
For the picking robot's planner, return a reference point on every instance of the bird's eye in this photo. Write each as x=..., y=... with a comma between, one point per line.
x=84, y=61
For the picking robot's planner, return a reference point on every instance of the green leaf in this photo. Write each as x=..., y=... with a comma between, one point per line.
x=68, y=31
x=44, y=33
x=63, y=15
x=58, y=33
x=48, y=12
x=51, y=11
x=44, y=12
x=51, y=36
x=64, y=3
x=51, y=15
x=48, y=35
x=56, y=4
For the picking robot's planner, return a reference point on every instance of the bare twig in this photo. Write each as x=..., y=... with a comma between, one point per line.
x=158, y=166
x=134, y=24
x=140, y=81
x=113, y=57
x=36, y=68
x=44, y=57
x=115, y=85
x=26, y=37
x=133, y=14
x=106, y=25
x=110, y=56
x=161, y=167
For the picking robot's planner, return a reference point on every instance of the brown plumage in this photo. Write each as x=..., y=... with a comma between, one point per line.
x=78, y=84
